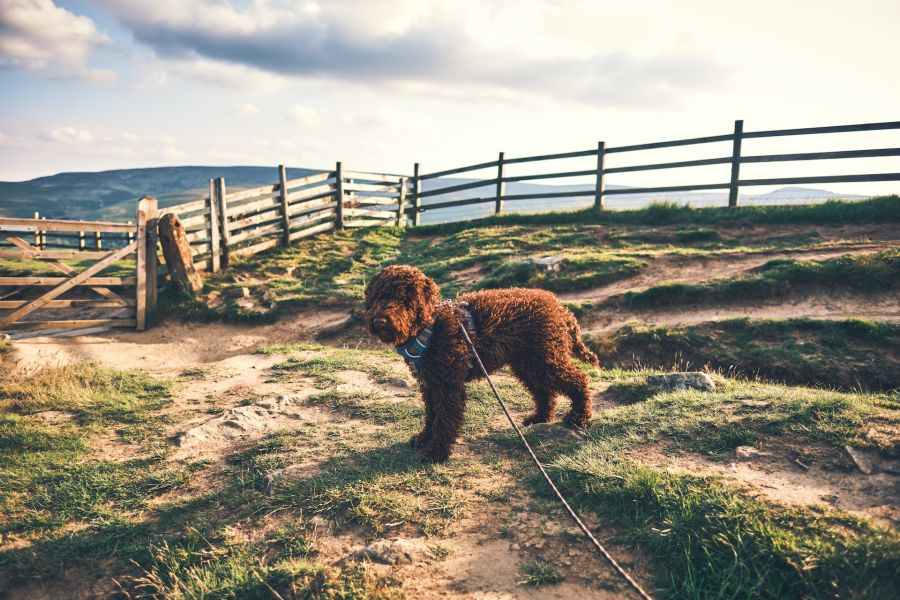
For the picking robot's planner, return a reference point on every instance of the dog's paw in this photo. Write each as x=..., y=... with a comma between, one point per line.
x=419, y=440
x=534, y=419
x=577, y=422
x=434, y=454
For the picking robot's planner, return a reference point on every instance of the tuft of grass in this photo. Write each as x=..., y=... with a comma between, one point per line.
x=848, y=354
x=540, y=573
x=717, y=542
x=876, y=272
x=579, y=271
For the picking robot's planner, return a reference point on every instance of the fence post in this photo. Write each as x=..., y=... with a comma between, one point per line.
x=212, y=205
x=223, y=220
x=735, y=164
x=98, y=240
x=81, y=240
x=43, y=236
x=601, y=183
x=37, y=231
x=501, y=186
x=146, y=219
x=285, y=218
x=152, y=258
x=339, y=193
x=417, y=189
x=401, y=203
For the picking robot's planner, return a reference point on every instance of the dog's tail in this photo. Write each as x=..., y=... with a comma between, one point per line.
x=579, y=350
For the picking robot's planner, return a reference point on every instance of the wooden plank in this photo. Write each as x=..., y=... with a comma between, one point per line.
x=285, y=214
x=501, y=187
x=831, y=129
x=417, y=195
x=451, y=203
x=735, y=164
x=73, y=324
x=257, y=248
x=314, y=178
x=671, y=165
x=395, y=179
x=302, y=209
x=312, y=218
x=364, y=223
x=223, y=221
x=255, y=232
x=821, y=155
x=252, y=193
x=215, y=264
x=600, y=185
x=47, y=281
x=311, y=193
x=52, y=254
x=670, y=188
x=401, y=204
x=339, y=194
x=551, y=175
x=372, y=188
x=123, y=303
x=351, y=199
x=249, y=208
x=359, y=212
x=61, y=225
x=198, y=236
x=685, y=142
x=556, y=156
x=823, y=179
x=81, y=278
x=263, y=217
x=476, y=167
x=25, y=246
x=187, y=207
x=296, y=235
x=457, y=188
x=201, y=219
x=551, y=195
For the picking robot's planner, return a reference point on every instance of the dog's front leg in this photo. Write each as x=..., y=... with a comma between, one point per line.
x=420, y=439
x=444, y=408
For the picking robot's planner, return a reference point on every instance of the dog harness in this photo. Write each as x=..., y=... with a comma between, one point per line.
x=414, y=350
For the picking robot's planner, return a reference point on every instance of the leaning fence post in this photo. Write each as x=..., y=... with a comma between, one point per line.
x=600, y=190
x=146, y=218
x=222, y=201
x=401, y=203
x=339, y=194
x=501, y=186
x=285, y=217
x=735, y=164
x=417, y=190
x=212, y=206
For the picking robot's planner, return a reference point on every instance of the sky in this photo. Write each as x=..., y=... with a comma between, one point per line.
x=88, y=85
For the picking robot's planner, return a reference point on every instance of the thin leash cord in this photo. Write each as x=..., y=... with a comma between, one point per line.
x=634, y=584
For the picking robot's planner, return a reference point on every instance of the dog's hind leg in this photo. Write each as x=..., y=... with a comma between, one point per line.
x=544, y=395
x=571, y=382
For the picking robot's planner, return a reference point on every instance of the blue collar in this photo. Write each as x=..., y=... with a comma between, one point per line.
x=413, y=350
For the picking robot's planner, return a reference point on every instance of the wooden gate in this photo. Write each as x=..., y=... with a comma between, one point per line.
x=121, y=298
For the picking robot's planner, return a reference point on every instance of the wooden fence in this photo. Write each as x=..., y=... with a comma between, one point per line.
x=114, y=300
x=733, y=183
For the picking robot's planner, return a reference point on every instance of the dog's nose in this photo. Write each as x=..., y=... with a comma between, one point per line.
x=379, y=321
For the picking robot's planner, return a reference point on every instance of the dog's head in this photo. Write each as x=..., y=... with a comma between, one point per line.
x=400, y=301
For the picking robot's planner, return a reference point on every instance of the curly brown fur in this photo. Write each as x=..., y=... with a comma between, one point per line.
x=529, y=330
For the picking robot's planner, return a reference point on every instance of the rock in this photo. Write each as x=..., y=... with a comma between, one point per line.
x=747, y=452
x=398, y=382
x=682, y=381
x=863, y=461
x=514, y=547
x=269, y=296
x=554, y=431
x=246, y=304
x=550, y=264
x=237, y=292
x=395, y=552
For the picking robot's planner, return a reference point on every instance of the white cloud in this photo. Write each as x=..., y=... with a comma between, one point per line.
x=247, y=110
x=38, y=36
x=247, y=79
x=303, y=116
x=68, y=135
x=151, y=80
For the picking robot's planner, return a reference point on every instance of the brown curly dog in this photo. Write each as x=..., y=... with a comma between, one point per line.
x=529, y=330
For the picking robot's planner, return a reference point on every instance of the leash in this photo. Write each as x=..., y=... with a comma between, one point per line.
x=634, y=584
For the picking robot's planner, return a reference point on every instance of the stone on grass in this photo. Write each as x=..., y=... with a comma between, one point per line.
x=237, y=292
x=747, y=452
x=550, y=264
x=862, y=459
x=395, y=552
x=673, y=382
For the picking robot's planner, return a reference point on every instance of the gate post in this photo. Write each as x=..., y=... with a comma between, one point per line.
x=735, y=164
x=145, y=264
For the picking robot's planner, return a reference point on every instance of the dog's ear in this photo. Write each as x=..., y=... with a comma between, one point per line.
x=430, y=295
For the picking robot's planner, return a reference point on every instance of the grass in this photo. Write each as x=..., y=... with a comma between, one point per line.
x=718, y=543
x=540, y=573
x=877, y=272
x=846, y=354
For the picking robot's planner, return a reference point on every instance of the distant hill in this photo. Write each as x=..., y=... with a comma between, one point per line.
x=113, y=194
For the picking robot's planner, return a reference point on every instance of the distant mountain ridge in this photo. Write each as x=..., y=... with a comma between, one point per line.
x=113, y=194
